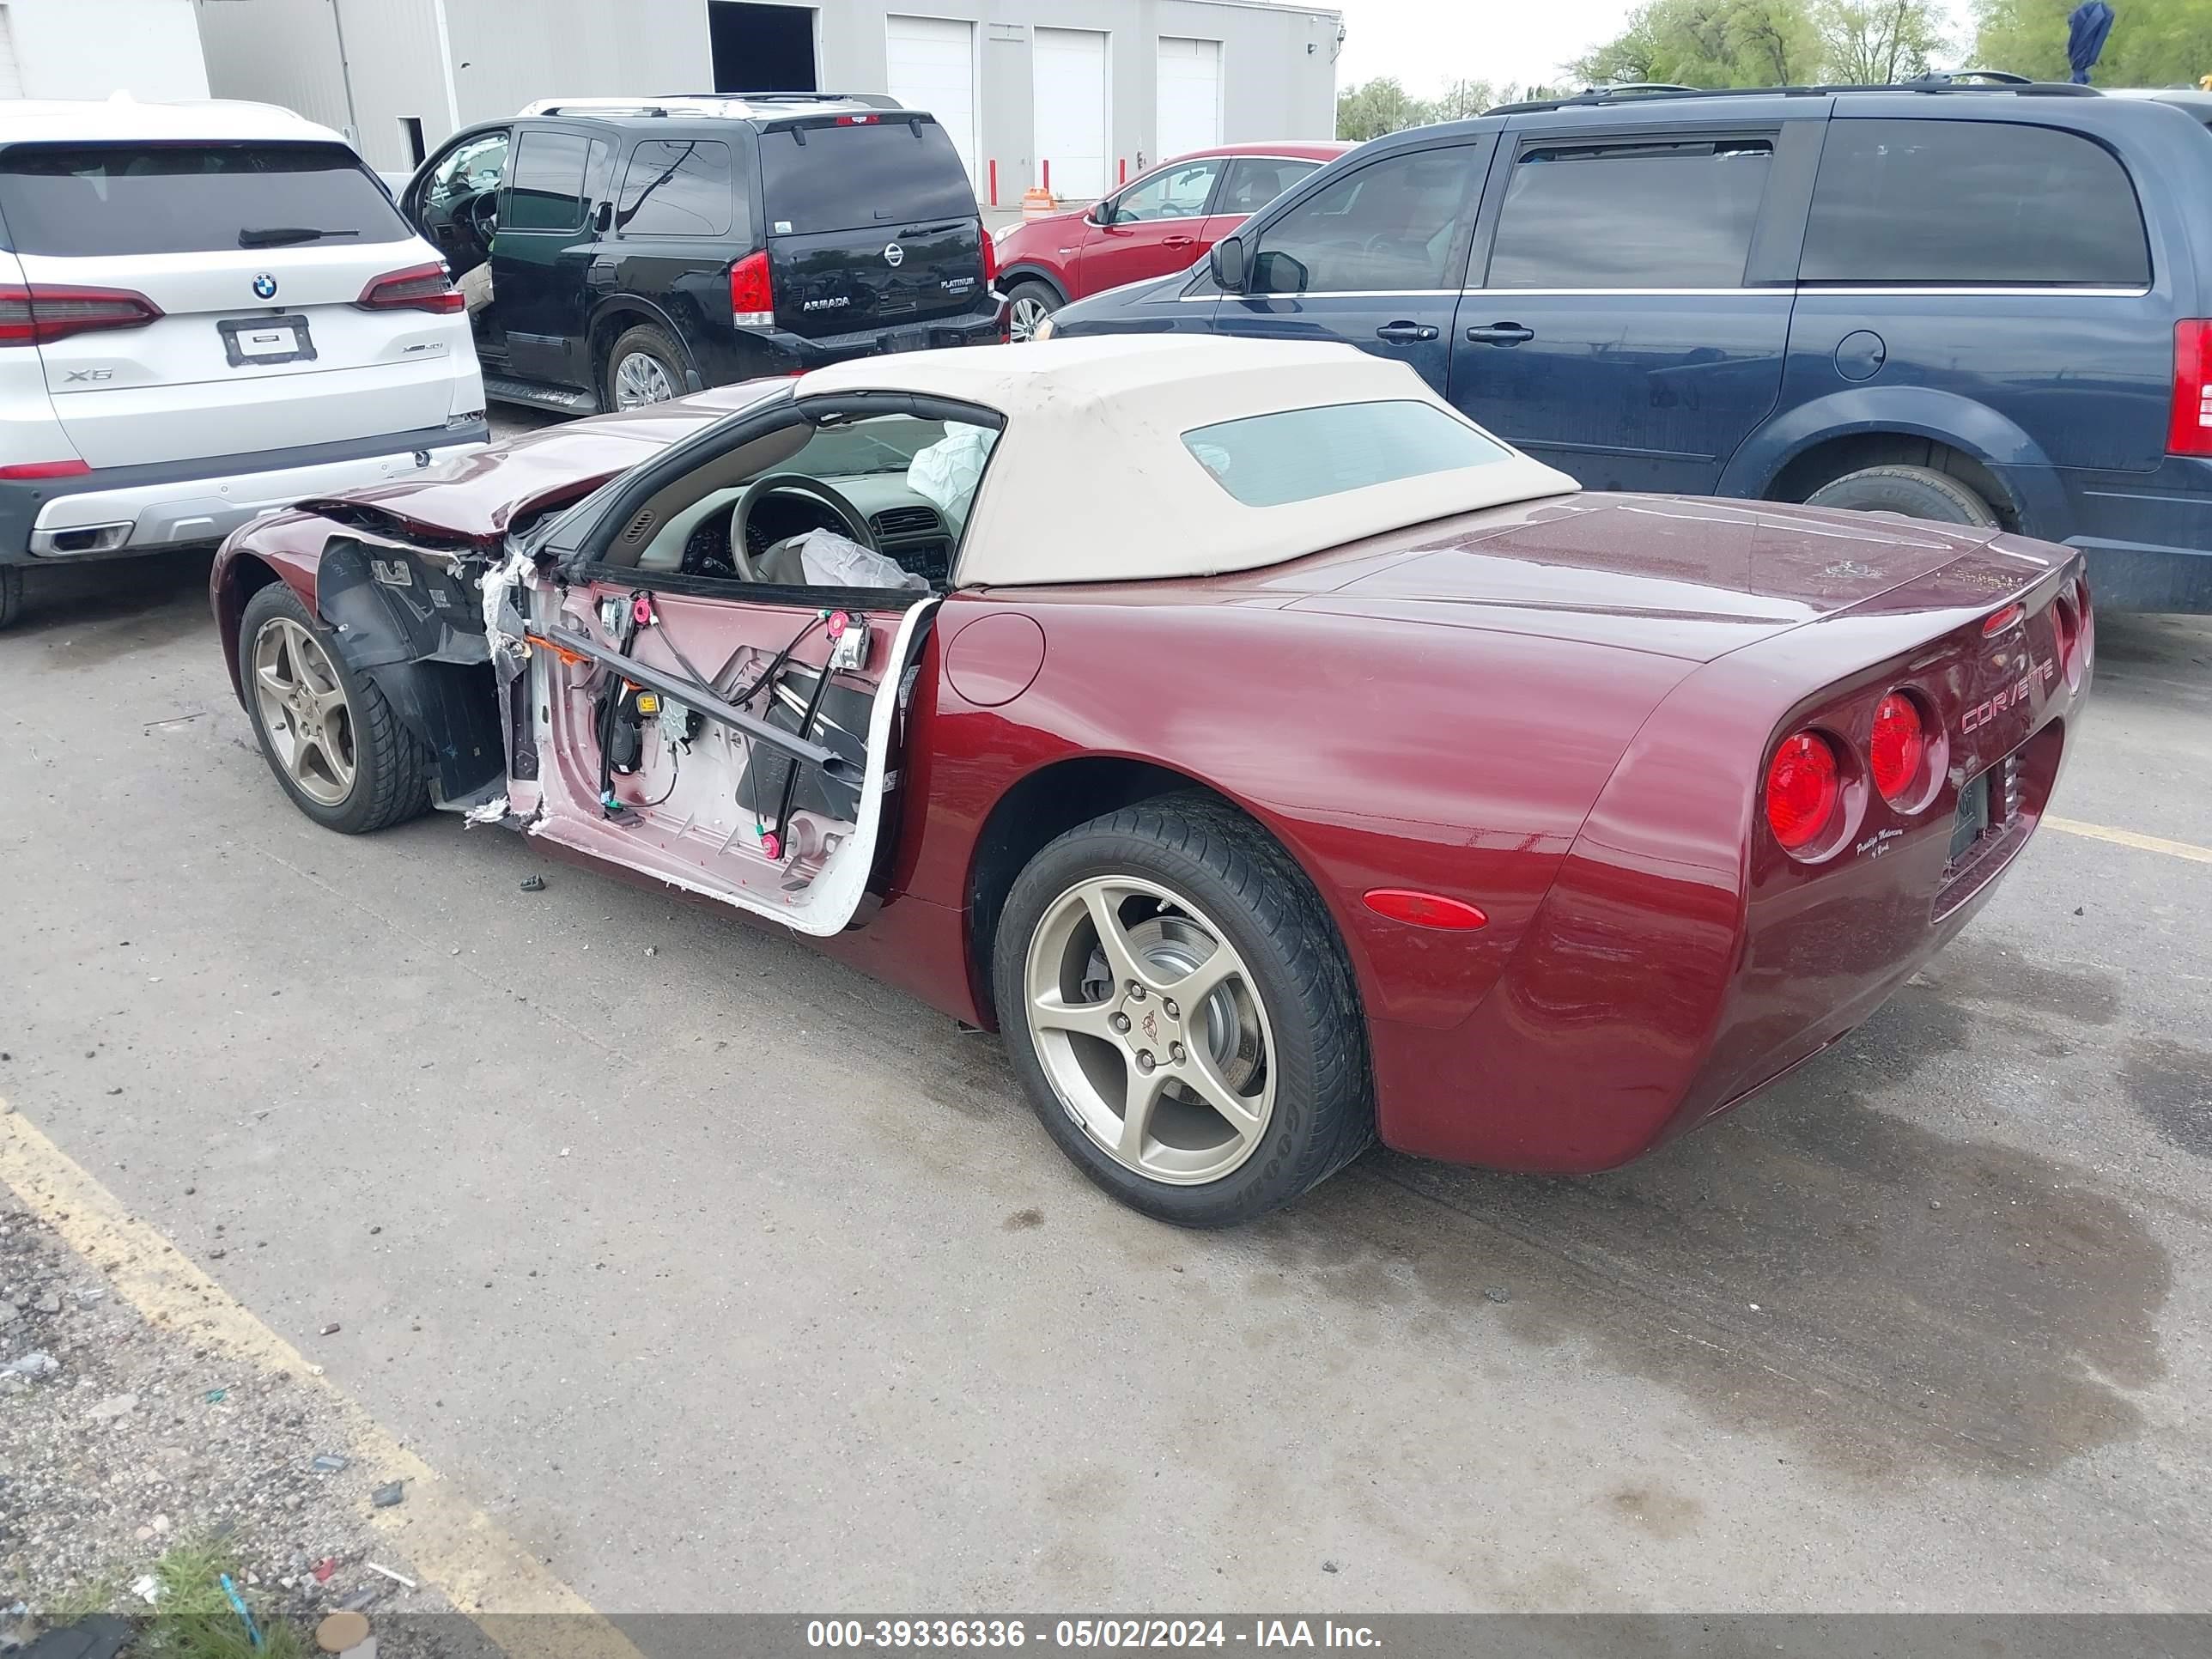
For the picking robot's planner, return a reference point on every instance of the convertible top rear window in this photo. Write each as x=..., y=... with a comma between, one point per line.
x=1303, y=454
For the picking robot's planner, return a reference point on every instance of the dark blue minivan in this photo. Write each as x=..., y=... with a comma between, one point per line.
x=1984, y=305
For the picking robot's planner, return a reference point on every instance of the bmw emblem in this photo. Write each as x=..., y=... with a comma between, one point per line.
x=894, y=255
x=264, y=286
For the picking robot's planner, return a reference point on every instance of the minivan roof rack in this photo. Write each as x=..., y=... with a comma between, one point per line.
x=1985, y=81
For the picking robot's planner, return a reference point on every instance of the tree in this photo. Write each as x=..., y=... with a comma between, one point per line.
x=2154, y=42
x=1877, y=42
x=1462, y=99
x=1715, y=43
x=1374, y=107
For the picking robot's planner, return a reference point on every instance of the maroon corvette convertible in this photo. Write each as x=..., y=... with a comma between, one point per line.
x=1276, y=759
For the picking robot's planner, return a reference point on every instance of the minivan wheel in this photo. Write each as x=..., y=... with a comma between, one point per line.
x=1027, y=304
x=327, y=733
x=1179, y=1009
x=643, y=365
x=11, y=594
x=1917, y=492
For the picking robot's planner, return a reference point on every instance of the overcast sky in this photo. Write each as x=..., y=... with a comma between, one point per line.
x=1426, y=43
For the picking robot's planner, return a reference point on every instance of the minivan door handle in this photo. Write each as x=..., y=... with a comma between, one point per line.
x=1402, y=333
x=1505, y=334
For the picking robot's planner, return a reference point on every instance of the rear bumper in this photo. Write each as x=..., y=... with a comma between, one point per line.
x=116, y=511
x=751, y=353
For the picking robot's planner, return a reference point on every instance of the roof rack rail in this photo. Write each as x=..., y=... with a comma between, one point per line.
x=696, y=103
x=1963, y=81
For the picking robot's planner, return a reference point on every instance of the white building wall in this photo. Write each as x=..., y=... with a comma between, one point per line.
x=451, y=62
x=95, y=48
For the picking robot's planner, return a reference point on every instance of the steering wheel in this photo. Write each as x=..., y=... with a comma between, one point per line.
x=478, y=214
x=792, y=483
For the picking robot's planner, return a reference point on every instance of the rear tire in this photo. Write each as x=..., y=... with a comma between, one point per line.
x=1259, y=1090
x=11, y=595
x=644, y=366
x=356, y=769
x=1029, y=302
x=1918, y=492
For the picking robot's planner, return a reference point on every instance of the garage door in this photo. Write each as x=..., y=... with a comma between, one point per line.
x=933, y=67
x=1068, y=71
x=11, y=78
x=1190, y=96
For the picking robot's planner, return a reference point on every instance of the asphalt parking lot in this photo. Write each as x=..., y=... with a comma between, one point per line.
x=724, y=1278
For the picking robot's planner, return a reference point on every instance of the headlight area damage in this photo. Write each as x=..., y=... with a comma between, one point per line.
x=575, y=708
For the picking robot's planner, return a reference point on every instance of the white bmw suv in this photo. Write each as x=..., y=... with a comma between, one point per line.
x=207, y=310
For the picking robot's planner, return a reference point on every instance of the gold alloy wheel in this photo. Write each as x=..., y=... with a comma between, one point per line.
x=304, y=711
x=1150, y=1029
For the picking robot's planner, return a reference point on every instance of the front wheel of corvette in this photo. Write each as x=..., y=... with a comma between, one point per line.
x=326, y=733
x=1179, y=1008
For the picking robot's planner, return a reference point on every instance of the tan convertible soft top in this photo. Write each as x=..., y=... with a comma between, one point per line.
x=1091, y=480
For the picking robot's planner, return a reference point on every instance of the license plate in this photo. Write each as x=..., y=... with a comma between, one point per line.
x=1974, y=820
x=248, y=341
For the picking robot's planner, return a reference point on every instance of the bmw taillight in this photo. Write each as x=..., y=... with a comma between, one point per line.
x=2189, y=423
x=418, y=288
x=1803, y=786
x=46, y=312
x=752, y=296
x=1897, y=748
x=2066, y=631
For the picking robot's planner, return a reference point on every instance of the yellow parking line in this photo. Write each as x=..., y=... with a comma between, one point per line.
x=2172, y=849
x=452, y=1544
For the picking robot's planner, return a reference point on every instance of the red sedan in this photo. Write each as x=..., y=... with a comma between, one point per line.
x=1320, y=769
x=1160, y=221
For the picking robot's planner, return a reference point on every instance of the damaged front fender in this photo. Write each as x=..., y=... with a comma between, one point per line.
x=412, y=624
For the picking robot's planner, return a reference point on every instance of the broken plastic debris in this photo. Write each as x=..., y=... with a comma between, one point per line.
x=326, y=1462
x=217, y=1396
x=331, y=1329
x=146, y=1588
x=396, y=1577
x=533, y=883
x=31, y=1364
x=385, y=1496
x=325, y=1568
x=238, y=1606
x=490, y=812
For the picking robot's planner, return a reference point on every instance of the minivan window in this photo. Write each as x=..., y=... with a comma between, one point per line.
x=1630, y=216
x=1981, y=203
x=1389, y=226
x=675, y=187
x=546, y=189
x=76, y=200
x=897, y=171
x=1303, y=454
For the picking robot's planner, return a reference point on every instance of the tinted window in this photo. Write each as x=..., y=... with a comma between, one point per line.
x=76, y=199
x=1178, y=193
x=1256, y=180
x=1985, y=201
x=676, y=188
x=1391, y=225
x=546, y=189
x=889, y=173
x=1300, y=454
x=1642, y=215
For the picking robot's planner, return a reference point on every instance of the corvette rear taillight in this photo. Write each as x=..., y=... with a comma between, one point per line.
x=2189, y=421
x=752, y=296
x=2066, y=631
x=418, y=288
x=1803, y=785
x=1898, y=747
x=46, y=312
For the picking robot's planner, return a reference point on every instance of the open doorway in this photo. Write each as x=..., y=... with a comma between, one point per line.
x=762, y=48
